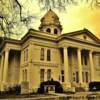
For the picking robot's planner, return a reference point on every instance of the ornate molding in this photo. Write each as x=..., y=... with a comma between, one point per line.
x=45, y=64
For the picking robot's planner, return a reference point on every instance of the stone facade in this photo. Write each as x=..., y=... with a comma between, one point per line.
x=73, y=58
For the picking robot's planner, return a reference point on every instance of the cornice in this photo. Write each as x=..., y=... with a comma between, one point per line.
x=48, y=37
x=76, y=40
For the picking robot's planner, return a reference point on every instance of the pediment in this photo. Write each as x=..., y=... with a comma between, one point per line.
x=84, y=35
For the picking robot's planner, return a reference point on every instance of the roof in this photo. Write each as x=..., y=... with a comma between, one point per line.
x=84, y=31
x=50, y=15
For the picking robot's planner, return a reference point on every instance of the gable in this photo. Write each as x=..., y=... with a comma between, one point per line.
x=84, y=35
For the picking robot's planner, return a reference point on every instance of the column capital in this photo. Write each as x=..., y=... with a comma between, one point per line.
x=7, y=49
x=90, y=51
x=80, y=49
x=65, y=46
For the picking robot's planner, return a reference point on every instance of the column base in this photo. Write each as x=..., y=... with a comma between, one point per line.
x=66, y=85
x=3, y=86
x=68, y=88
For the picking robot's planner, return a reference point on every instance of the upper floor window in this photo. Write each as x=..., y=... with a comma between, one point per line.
x=48, y=55
x=48, y=30
x=84, y=37
x=42, y=54
x=25, y=54
x=55, y=31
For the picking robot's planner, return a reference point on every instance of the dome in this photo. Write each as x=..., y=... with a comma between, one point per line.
x=50, y=20
x=50, y=16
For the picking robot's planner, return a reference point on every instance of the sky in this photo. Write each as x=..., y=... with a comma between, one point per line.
x=73, y=19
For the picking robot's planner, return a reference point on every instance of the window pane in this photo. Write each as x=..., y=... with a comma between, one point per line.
x=55, y=31
x=62, y=72
x=62, y=78
x=48, y=30
x=77, y=77
x=23, y=75
x=49, y=74
x=86, y=77
x=48, y=55
x=26, y=54
x=42, y=54
x=85, y=60
x=41, y=75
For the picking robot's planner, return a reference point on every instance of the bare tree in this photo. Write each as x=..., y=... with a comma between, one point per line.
x=11, y=15
x=61, y=4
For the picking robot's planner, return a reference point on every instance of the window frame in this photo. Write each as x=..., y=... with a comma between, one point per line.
x=48, y=55
x=42, y=73
x=55, y=31
x=49, y=74
x=42, y=54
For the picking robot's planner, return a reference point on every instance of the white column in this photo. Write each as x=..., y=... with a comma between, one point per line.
x=1, y=68
x=66, y=68
x=79, y=65
x=5, y=72
x=91, y=66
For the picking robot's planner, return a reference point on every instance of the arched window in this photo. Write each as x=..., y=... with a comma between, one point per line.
x=48, y=55
x=55, y=31
x=48, y=30
x=42, y=54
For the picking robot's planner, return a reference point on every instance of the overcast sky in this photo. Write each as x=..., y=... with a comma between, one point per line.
x=73, y=19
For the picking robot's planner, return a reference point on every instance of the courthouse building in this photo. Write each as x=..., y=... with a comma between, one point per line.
x=73, y=58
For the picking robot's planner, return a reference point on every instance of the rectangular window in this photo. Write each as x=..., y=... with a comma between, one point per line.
x=48, y=55
x=62, y=78
x=83, y=76
x=49, y=74
x=42, y=54
x=26, y=54
x=42, y=75
x=77, y=77
x=62, y=75
x=85, y=60
x=86, y=77
x=23, y=75
x=82, y=60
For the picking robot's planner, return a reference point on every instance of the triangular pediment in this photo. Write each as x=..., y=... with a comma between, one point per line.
x=84, y=35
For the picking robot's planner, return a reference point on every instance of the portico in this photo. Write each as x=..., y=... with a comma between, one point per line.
x=78, y=66
x=9, y=64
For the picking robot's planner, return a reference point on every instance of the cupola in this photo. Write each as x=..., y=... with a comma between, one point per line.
x=50, y=23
